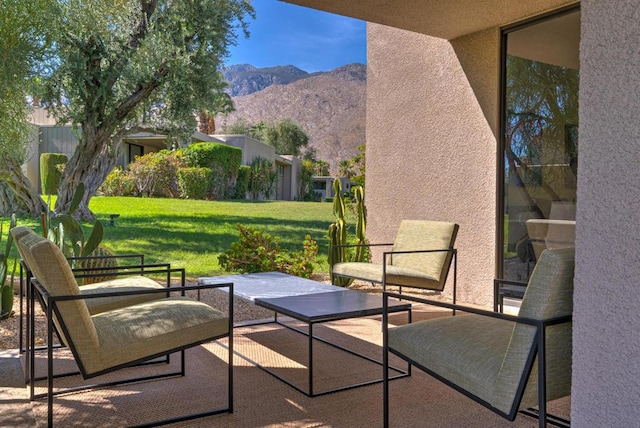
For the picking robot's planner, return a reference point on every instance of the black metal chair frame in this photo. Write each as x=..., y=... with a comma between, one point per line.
x=390, y=254
x=115, y=271
x=25, y=278
x=538, y=349
x=50, y=304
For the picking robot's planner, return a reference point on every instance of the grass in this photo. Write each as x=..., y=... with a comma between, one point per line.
x=191, y=234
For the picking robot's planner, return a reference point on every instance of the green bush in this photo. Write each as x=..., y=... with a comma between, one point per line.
x=242, y=182
x=257, y=251
x=222, y=159
x=263, y=178
x=51, y=167
x=117, y=183
x=155, y=174
x=194, y=182
x=212, y=155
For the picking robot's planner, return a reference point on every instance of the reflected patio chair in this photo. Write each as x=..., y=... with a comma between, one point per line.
x=123, y=337
x=420, y=257
x=506, y=363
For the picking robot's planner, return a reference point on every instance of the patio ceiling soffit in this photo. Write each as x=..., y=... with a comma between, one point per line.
x=447, y=19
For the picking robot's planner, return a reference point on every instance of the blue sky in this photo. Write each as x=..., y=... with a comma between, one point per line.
x=286, y=34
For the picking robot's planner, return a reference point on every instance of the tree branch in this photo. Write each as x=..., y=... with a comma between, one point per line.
x=147, y=10
x=142, y=93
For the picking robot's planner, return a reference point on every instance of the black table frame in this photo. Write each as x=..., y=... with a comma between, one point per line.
x=289, y=306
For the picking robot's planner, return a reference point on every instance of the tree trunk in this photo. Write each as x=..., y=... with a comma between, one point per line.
x=16, y=193
x=94, y=158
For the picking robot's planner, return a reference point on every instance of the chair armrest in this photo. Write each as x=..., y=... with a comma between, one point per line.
x=360, y=245
x=181, y=289
x=391, y=253
x=140, y=257
x=120, y=270
x=483, y=312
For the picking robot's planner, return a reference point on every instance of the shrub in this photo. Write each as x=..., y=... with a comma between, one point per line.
x=155, y=174
x=212, y=155
x=117, y=183
x=51, y=167
x=242, y=182
x=263, y=178
x=195, y=183
x=257, y=251
x=222, y=159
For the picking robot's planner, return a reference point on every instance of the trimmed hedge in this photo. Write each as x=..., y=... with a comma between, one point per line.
x=51, y=166
x=214, y=155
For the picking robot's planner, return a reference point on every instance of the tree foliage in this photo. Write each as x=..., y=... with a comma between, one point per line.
x=126, y=66
x=286, y=136
x=354, y=168
x=542, y=104
x=22, y=51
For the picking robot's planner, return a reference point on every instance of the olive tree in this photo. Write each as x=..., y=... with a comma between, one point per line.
x=22, y=50
x=126, y=66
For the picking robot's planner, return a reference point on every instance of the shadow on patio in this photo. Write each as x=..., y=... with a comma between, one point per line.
x=262, y=400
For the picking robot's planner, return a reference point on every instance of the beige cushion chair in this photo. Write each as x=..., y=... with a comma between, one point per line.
x=122, y=337
x=420, y=257
x=130, y=282
x=499, y=360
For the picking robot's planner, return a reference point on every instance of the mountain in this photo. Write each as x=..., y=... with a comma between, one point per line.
x=245, y=79
x=330, y=106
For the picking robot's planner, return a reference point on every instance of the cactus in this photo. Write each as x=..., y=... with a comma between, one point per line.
x=67, y=233
x=51, y=166
x=6, y=290
x=101, y=261
x=338, y=233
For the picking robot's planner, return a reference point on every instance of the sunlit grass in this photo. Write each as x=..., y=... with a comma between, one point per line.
x=192, y=234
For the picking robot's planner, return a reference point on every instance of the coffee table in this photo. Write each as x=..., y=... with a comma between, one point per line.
x=311, y=302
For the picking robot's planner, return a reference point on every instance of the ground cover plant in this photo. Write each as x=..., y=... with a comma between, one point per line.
x=193, y=233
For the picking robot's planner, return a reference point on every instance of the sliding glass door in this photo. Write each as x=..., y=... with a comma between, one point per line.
x=540, y=139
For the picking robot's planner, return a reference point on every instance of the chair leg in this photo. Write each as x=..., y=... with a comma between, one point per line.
x=385, y=363
x=49, y=366
x=542, y=379
x=230, y=368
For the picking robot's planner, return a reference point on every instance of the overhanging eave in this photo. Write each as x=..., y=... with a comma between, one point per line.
x=447, y=19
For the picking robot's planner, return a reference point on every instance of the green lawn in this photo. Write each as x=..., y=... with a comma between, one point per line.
x=191, y=234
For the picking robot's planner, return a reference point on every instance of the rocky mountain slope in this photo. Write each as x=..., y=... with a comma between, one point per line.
x=330, y=106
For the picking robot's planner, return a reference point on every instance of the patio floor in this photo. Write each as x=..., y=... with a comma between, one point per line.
x=260, y=399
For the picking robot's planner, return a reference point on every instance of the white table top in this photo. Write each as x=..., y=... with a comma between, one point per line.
x=263, y=285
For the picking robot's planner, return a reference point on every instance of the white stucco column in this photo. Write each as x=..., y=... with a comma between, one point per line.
x=606, y=336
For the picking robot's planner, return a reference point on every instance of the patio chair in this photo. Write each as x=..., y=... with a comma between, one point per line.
x=130, y=279
x=123, y=337
x=506, y=363
x=420, y=257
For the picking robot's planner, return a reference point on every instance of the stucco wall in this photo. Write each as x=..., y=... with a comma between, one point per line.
x=250, y=148
x=606, y=344
x=431, y=150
